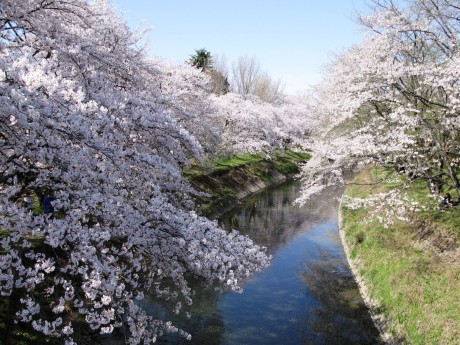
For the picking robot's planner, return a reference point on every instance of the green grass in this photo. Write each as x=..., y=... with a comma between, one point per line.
x=297, y=156
x=222, y=164
x=222, y=177
x=236, y=161
x=284, y=162
x=418, y=289
x=288, y=162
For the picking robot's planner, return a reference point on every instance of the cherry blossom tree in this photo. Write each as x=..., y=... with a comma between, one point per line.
x=393, y=98
x=206, y=63
x=230, y=123
x=86, y=125
x=247, y=124
x=184, y=92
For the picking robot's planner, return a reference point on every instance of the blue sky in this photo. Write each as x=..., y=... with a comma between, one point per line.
x=292, y=39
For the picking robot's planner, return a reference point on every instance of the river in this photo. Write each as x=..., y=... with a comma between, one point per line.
x=306, y=296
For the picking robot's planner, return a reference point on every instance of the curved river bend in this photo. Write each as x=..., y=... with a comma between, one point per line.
x=306, y=296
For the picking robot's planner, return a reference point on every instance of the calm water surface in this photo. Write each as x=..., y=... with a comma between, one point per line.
x=306, y=296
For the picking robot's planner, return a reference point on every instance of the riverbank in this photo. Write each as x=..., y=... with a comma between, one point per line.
x=380, y=320
x=408, y=271
x=227, y=181
x=306, y=296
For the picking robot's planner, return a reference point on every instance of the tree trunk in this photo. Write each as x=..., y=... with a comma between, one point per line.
x=452, y=174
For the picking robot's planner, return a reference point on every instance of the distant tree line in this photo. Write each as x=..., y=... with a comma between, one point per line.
x=246, y=76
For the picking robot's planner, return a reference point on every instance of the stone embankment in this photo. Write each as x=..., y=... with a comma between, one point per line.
x=226, y=187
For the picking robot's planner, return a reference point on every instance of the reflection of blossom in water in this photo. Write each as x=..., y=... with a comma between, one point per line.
x=289, y=301
x=271, y=218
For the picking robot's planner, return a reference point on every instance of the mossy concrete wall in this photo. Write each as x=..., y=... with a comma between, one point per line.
x=227, y=187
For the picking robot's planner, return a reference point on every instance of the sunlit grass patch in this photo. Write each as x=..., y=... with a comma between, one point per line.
x=298, y=156
x=417, y=287
x=221, y=164
x=223, y=178
x=288, y=162
x=237, y=160
x=285, y=162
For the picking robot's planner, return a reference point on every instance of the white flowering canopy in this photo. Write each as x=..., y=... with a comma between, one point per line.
x=84, y=123
x=394, y=98
x=247, y=124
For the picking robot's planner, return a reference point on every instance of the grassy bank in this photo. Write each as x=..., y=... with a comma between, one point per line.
x=225, y=180
x=410, y=268
x=284, y=162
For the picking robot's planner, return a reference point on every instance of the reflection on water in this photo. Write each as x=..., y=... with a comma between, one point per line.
x=307, y=295
x=271, y=219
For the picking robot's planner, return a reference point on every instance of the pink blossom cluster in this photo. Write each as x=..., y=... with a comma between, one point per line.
x=393, y=99
x=91, y=124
